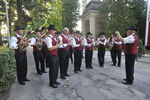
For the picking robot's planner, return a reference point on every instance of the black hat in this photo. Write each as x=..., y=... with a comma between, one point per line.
x=132, y=28
x=43, y=28
x=58, y=32
x=88, y=33
x=37, y=30
x=77, y=32
x=102, y=33
x=18, y=28
x=52, y=27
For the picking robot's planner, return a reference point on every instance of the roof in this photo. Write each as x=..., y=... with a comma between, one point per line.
x=92, y=5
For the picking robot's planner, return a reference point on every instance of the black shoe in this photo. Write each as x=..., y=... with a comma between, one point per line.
x=75, y=71
x=80, y=70
x=22, y=83
x=63, y=77
x=53, y=85
x=119, y=66
x=127, y=83
x=44, y=71
x=87, y=67
x=57, y=83
x=27, y=80
x=125, y=79
x=101, y=65
x=91, y=67
x=67, y=75
x=39, y=73
x=113, y=65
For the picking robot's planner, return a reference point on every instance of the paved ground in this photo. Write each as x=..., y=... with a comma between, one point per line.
x=94, y=84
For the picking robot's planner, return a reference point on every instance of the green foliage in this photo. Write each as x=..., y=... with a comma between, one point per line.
x=7, y=69
x=70, y=13
x=141, y=49
x=119, y=14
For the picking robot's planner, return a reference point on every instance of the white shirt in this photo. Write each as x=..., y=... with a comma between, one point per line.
x=130, y=39
x=48, y=41
x=13, y=42
x=85, y=42
x=61, y=39
x=117, y=42
x=100, y=42
x=74, y=42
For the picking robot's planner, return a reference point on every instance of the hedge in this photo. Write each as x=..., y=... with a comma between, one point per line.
x=7, y=69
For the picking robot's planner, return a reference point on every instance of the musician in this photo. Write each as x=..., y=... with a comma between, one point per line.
x=130, y=50
x=52, y=57
x=64, y=53
x=101, y=42
x=20, y=56
x=111, y=44
x=71, y=50
x=44, y=47
x=36, y=42
x=88, y=43
x=77, y=44
x=117, y=50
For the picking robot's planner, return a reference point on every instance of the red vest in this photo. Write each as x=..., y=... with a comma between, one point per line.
x=64, y=40
x=101, y=45
x=131, y=48
x=89, y=42
x=35, y=48
x=17, y=50
x=53, y=52
x=117, y=47
x=78, y=41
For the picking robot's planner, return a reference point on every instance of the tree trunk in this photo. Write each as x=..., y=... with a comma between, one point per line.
x=19, y=12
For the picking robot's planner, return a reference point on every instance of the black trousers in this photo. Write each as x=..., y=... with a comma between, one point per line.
x=53, y=70
x=77, y=59
x=64, y=61
x=21, y=63
x=117, y=53
x=111, y=53
x=70, y=54
x=44, y=52
x=88, y=58
x=101, y=54
x=39, y=59
x=129, y=65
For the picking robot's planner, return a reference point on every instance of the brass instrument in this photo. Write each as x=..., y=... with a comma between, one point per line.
x=39, y=42
x=23, y=48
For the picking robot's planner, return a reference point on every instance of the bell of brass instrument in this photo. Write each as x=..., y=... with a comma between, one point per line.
x=39, y=42
x=23, y=48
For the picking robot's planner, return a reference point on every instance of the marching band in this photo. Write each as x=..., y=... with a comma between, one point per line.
x=52, y=50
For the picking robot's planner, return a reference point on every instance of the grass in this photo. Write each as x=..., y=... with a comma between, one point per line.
x=3, y=48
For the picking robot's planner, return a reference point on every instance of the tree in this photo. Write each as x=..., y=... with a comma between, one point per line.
x=70, y=13
x=139, y=10
x=116, y=15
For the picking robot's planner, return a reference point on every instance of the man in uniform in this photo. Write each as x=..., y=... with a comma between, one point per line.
x=64, y=53
x=52, y=57
x=101, y=42
x=36, y=42
x=88, y=43
x=77, y=44
x=117, y=50
x=20, y=56
x=130, y=50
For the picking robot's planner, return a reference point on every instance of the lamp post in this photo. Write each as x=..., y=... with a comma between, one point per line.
x=7, y=20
